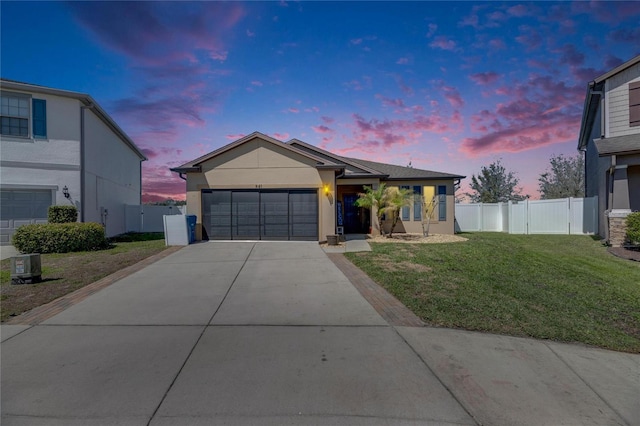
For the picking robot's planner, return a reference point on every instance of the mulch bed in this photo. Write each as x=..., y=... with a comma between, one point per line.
x=625, y=253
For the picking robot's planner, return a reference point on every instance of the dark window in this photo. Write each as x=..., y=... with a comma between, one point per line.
x=14, y=111
x=405, y=209
x=442, y=202
x=634, y=104
x=417, y=203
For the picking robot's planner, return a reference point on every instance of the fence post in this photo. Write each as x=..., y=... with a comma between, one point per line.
x=481, y=217
x=570, y=214
x=527, y=216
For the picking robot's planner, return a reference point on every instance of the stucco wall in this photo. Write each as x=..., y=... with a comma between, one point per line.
x=55, y=161
x=261, y=164
x=112, y=175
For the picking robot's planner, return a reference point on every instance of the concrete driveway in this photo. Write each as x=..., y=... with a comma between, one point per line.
x=274, y=333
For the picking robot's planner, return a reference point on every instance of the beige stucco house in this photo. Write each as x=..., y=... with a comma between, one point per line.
x=261, y=188
x=610, y=138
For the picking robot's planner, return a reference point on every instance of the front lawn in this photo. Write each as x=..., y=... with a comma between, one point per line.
x=65, y=272
x=560, y=287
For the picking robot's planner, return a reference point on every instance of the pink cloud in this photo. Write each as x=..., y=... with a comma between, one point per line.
x=497, y=44
x=235, y=136
x=256, y=83
x=327, y=120
x=281, y=136
x=397, y=103
x=452, y=95
x=402, y=61
x=529, y=37
x=484, y=78
x=321, y=129
x=443, y=43
x=432, y=30
x=518, y=10
x=293, y=110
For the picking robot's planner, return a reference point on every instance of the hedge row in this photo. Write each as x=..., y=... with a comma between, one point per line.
x=62, y=214
x=633, y=227
x=60, y=237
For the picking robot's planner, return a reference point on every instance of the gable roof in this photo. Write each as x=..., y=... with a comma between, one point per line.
x=86, y=100
x=351, y=167
x=365, y=168
x=592, y=100
x=194, y=165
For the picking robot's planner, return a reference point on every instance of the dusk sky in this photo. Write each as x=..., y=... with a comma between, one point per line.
x=447, y=86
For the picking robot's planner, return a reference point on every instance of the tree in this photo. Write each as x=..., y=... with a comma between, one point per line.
x=394, y=200
x=495, y=185
x=564, y=179
x=373, y=199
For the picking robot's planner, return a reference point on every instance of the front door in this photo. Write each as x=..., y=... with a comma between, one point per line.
x=356, y=219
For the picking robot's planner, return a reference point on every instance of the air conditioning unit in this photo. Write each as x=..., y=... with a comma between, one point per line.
x=26, y=268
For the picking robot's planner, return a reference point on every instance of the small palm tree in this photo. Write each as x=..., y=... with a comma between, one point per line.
x=394, y=200
x=373, y=199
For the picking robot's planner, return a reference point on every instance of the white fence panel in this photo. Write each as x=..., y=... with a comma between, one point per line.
x=469, y=217
x=518, y=217
x=492, y=217
x=549, y=216
x=143, y=218
x=561, y=216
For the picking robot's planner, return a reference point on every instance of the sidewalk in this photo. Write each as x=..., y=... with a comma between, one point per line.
x=7, y=252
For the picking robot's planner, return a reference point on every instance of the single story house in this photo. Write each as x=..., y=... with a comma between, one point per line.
x=610, y=138
x=61, y=148
x=261, y=188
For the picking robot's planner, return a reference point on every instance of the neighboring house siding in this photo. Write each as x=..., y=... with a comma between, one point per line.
x=54, y=161
x=617, y=102
x=112, y=175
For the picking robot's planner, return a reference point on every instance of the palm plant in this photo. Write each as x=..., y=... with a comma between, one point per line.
x=373, y=199
x=394, y=200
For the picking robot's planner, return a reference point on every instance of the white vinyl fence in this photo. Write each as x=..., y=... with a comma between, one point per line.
x=561, y=216
x=144, y=218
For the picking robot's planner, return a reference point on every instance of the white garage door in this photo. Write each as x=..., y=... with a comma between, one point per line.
x=22, y=207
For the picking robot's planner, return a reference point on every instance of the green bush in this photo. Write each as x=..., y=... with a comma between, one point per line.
x=62, y=214
x=59, y=237
x=130, y=237
x=633, y=227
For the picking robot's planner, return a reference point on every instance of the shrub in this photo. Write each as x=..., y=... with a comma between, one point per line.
x=633, y=227
x=59, y=237
x=62, y=214
x=130, y=237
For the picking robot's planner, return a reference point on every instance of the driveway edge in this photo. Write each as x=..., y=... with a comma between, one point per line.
x=46, y=311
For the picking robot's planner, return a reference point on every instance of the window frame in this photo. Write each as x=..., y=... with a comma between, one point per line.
x=442, y=203
x=634, y=104
x=19, y=96
x=417, y=203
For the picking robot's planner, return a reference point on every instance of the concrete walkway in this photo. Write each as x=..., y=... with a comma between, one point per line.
x=274, y=333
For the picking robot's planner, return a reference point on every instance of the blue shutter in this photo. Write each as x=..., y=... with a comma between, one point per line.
x=442, y=202
x=417, y=203
x=39, y=118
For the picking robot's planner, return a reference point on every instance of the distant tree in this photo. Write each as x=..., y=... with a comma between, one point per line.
x=564, y=179
x=494, y=185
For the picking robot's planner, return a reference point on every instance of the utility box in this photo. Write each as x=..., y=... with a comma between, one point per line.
x=26, y=268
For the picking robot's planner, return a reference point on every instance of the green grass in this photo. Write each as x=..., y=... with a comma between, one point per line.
x=564, y=288
x=63, y=273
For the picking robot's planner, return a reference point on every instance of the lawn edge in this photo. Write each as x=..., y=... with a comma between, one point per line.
x=43, y=312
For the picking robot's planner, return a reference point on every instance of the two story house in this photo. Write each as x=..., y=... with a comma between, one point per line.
x=610, y=138
x=61, y=148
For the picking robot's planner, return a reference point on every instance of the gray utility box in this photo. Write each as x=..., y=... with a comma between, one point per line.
x=26, y=268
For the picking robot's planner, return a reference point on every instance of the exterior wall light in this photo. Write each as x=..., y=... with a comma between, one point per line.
x=65, y=192
x=327, y=189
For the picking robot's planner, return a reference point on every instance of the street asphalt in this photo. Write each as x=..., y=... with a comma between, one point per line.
x=273, y=333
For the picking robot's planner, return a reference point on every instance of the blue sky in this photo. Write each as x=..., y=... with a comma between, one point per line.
x=447, y=86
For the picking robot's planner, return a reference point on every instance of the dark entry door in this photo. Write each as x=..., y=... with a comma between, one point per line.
x=353, y=216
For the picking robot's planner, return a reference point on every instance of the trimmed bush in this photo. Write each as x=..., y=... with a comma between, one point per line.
x=633, y=227
x=62, y=214
x=60, y=237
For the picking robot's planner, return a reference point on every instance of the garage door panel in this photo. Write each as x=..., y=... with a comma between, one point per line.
x=22, y=207
x=261, y=214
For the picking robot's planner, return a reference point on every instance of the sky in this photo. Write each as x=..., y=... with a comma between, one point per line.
x=444, y=86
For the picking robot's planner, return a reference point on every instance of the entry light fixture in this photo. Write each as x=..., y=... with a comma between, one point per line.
x=65, y=192
x=327, y=189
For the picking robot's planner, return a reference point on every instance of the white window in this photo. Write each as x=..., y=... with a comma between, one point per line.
x=14, y=110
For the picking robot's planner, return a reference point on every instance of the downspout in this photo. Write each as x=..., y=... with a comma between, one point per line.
x=82, y=163
x=181, y=175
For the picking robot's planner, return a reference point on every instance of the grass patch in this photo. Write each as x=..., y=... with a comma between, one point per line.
x=66, y=272
x=561, y=287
